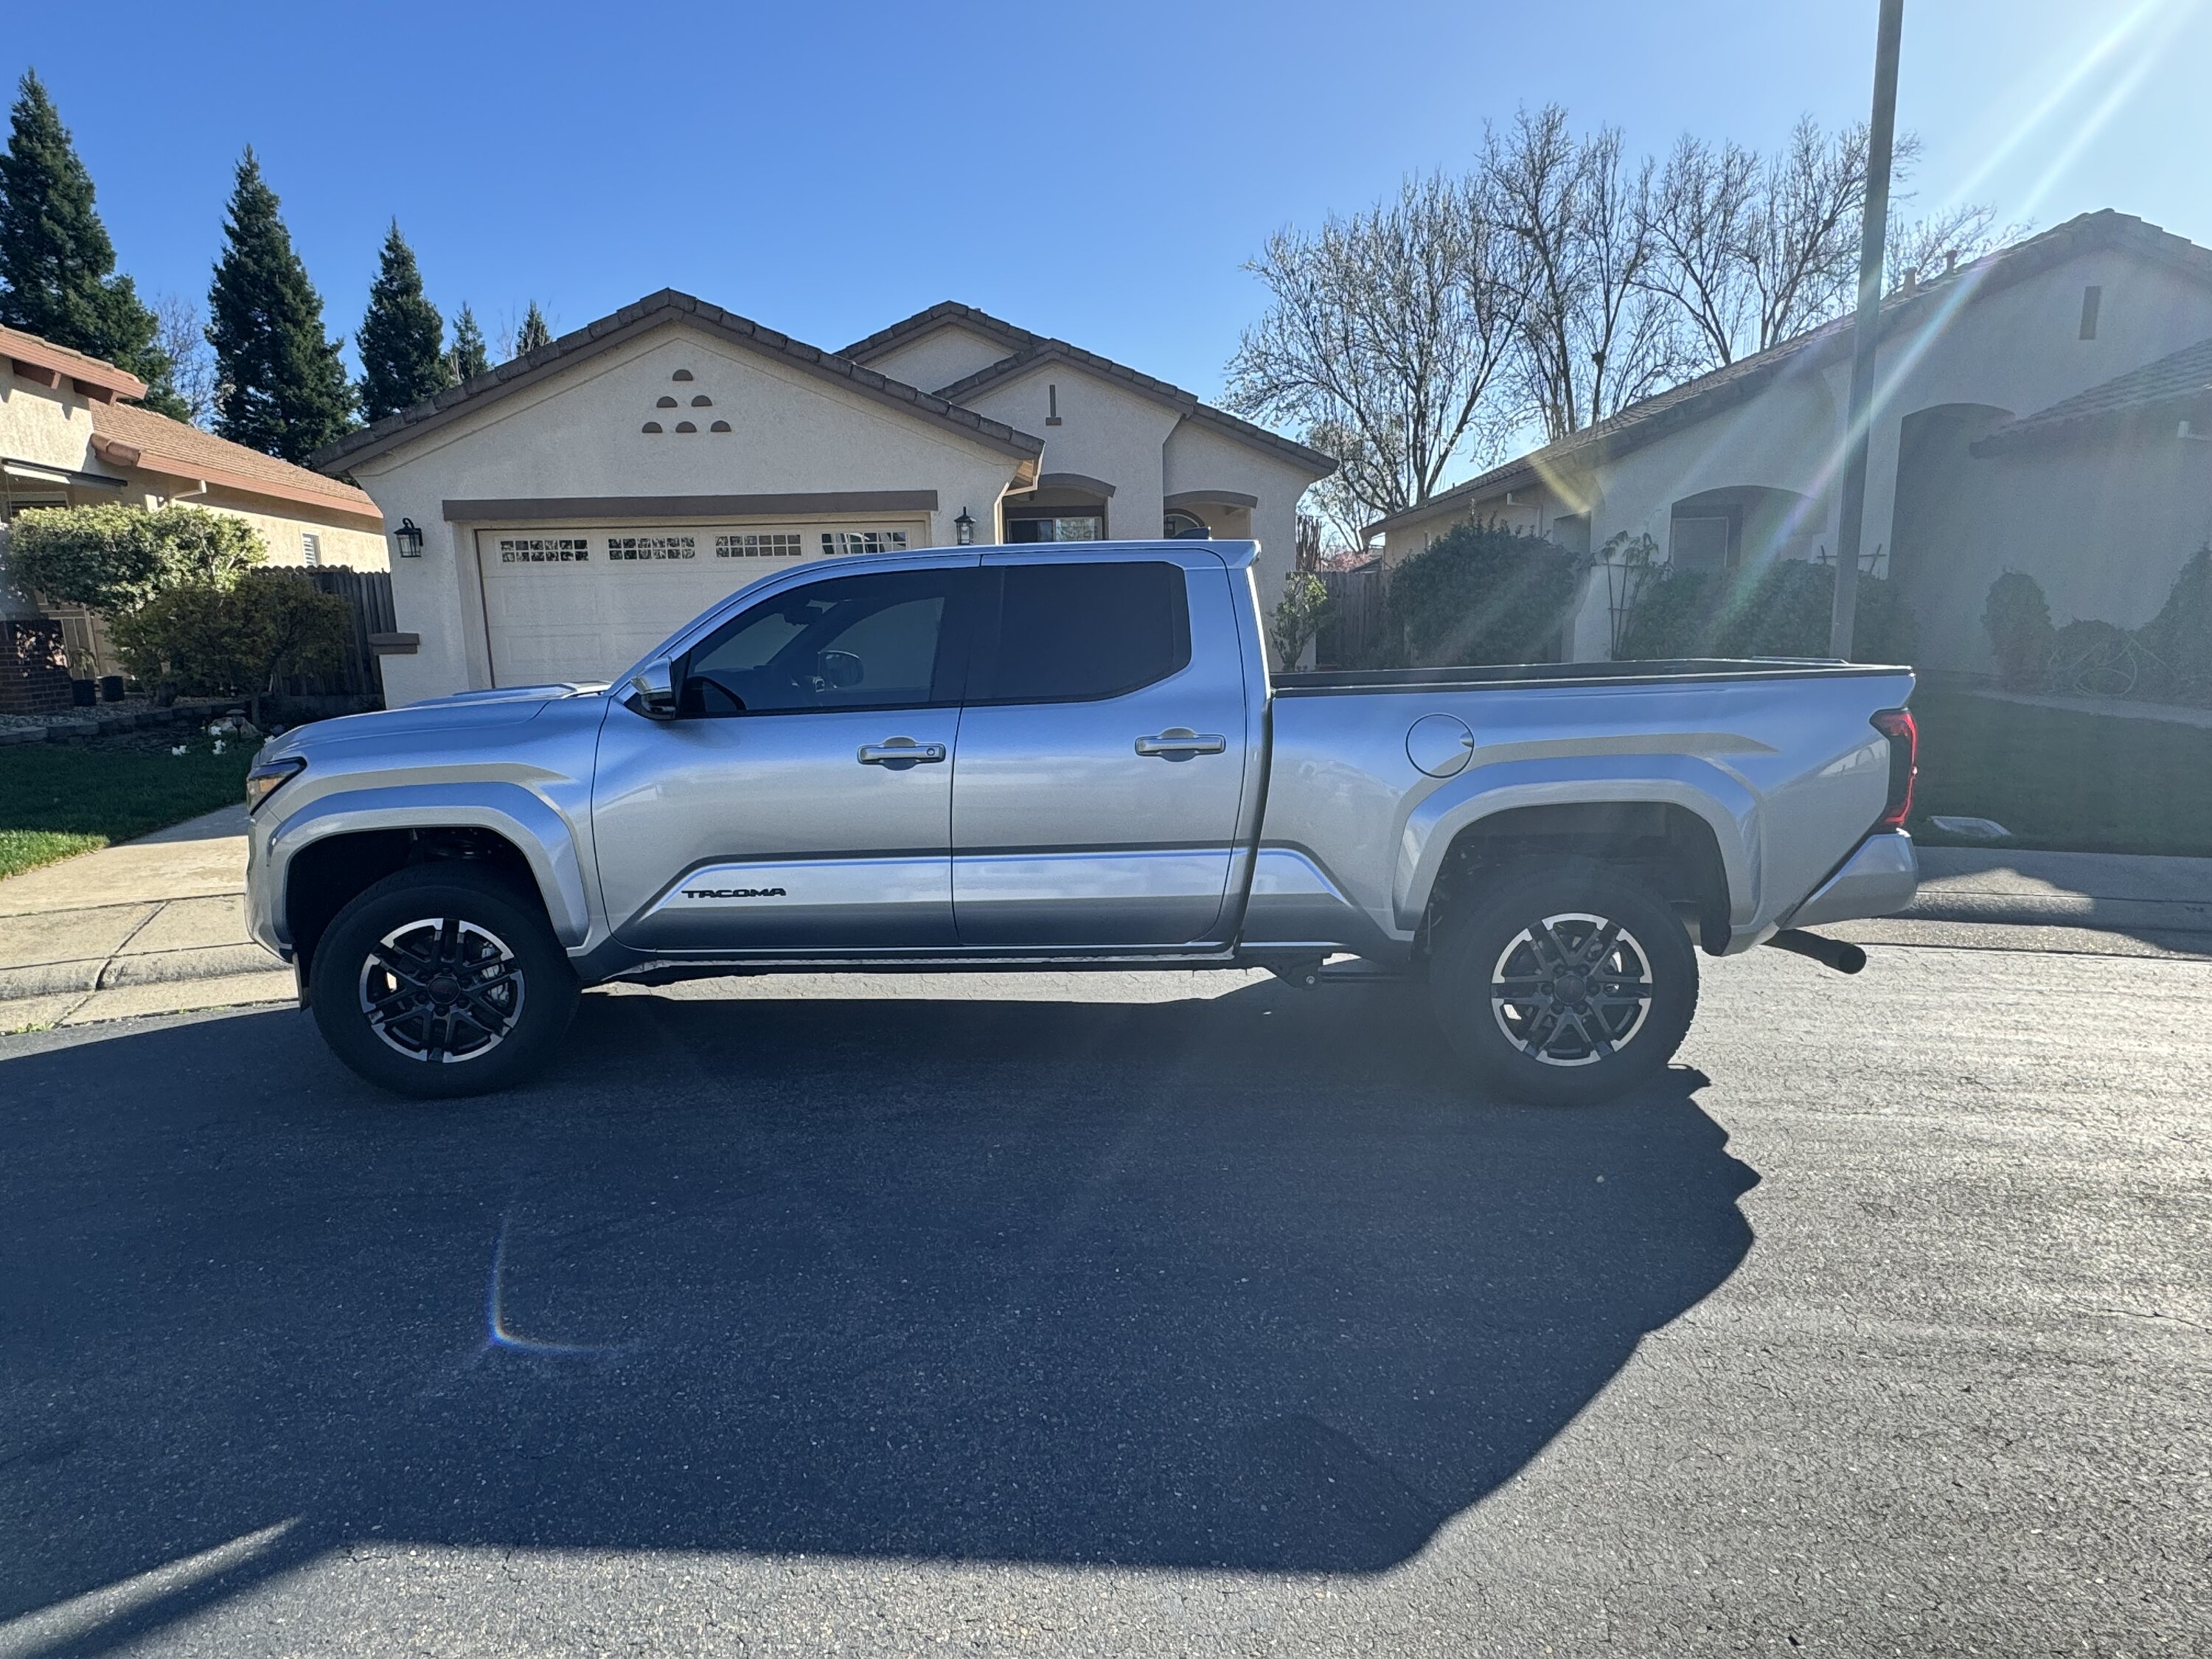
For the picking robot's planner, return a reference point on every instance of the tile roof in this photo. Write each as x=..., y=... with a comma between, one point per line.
x=668, y=304
x=1026, y=351
x=2176, y=382
x=161, y=444
x=1697, y=400
x=942, y=314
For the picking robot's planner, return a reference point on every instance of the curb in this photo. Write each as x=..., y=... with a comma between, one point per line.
x=2060, y=910
x=152, y=968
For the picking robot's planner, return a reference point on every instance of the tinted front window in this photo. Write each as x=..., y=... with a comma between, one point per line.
x=856, y=642
x=1068, y=631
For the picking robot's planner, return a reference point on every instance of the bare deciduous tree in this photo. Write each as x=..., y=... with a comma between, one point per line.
x=1595, y=336
x=1922, y=250
x=1383, y=339
x=182, y=332
x=1701, y=216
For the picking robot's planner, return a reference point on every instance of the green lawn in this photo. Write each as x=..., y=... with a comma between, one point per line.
x=2087, y=783
x=58, y=800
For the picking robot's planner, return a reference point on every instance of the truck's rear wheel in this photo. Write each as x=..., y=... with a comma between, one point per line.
x=440, y=981
x=1561, y=983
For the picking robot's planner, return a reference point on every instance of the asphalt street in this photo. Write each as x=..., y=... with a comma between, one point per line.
x=1164, y=1315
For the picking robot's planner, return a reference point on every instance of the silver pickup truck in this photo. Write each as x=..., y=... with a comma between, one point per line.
x=1074, y=756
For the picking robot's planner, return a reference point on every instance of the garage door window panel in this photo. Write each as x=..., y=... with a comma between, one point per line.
x=896, y=641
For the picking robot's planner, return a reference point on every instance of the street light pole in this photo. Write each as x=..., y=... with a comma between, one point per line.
x=1873, y=235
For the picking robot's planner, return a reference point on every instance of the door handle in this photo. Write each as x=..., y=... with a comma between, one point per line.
x=899, y=751
x=1180, y=742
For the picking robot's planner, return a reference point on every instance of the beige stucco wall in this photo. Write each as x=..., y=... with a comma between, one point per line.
x=1107, y=432
x=578, y=432
x=2016, y=348
x=2105, y=526
x=936, y=359
x=1201, y=457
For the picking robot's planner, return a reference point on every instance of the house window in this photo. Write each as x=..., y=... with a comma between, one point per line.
x=774, y=545
x=1078, y=527
x=544, y=550
x=2093, y=300
x=647, y=548
x=1705, y=543
x=311, y=547
x=1185, y=527
x=838, y=542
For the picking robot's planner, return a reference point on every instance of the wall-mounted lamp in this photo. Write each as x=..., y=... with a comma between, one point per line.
x=410, y=538
x=964, y=528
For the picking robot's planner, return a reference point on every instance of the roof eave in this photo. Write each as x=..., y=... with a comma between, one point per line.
x=632, y=321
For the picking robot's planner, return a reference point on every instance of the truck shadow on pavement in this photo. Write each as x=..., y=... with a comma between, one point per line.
x=1249, y=1283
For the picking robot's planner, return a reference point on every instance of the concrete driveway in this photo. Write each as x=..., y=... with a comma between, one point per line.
x=1171, y=1315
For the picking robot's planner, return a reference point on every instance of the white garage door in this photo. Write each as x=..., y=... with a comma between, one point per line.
x=583, y=604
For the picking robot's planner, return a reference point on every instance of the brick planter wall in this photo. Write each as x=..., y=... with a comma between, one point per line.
x=34, y=674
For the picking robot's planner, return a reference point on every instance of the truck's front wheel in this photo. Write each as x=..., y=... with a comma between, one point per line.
x=441, y=979
x=1563, y=984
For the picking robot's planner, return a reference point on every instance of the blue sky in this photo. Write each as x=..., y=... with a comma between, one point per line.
x=1096, y=172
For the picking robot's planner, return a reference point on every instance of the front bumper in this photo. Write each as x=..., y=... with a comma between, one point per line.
x=1878, y=880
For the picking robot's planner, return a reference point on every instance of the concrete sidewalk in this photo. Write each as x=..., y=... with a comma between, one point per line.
x=2115, y=892
x=155, y=926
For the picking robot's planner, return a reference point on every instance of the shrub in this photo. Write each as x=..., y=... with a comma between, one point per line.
x=116, y=558
x=1298, y=616
x=2017, y=618
x=2179, y=638
x=1780, y=609
x=239, y=640
x=1480, y=593
x=2093, y=659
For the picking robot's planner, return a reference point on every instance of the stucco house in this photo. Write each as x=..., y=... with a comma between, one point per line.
x=561, y=514
x=2045, y=409
x=67, y=439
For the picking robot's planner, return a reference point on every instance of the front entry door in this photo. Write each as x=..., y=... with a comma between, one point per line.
x=801, y=800
x=1101, y=774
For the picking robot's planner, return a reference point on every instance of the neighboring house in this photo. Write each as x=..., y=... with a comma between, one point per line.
x=577, y=505
x=67, y=441
x=2044, y=408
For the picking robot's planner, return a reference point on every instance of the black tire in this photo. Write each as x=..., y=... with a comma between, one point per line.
x=442, y=981
x=1602, y=1003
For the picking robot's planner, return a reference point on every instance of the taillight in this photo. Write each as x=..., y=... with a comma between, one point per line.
x=1896, y=725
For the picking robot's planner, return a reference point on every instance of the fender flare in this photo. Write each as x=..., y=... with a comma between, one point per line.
x=1724, y=803
x=540, y=833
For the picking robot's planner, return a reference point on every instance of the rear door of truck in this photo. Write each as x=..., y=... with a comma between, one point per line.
x=1101, y=757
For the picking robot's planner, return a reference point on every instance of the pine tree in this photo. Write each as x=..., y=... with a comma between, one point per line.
x=57, y=265
x=533, y=333
x=402, y=339
x=469, y=357
x=283, y=389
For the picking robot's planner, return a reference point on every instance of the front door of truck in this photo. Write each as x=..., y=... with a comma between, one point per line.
x=801, y=800
x=1101, y=771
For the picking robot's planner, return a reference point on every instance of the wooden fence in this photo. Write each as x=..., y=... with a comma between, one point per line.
x=1352, y=635
x=367, y=594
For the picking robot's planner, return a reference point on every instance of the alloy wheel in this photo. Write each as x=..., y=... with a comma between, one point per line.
x=1571, y=989
x=441, y=989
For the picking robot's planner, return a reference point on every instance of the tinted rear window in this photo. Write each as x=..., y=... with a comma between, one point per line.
x=1072, y=631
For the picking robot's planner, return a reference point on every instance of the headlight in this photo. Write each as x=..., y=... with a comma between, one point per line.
x=262, y=781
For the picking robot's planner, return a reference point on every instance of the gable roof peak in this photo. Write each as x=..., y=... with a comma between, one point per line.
x=662, y=306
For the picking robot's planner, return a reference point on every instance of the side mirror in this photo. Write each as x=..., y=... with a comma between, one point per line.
x=652, y=690
x=841, y=670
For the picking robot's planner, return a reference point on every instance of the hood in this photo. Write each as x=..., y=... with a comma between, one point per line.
x=506, y=705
